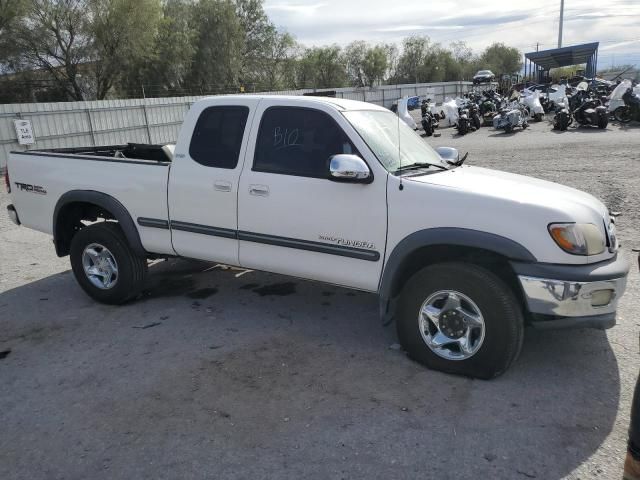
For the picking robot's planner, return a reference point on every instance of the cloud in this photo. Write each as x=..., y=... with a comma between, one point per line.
x=477, y=22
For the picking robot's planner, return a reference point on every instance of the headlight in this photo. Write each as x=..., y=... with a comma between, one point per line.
x=578, y=238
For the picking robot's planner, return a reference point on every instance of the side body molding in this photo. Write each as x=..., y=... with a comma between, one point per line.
x=445, y=236
x=101, y=200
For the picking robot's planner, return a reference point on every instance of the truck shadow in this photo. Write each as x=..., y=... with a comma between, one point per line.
x=235, y=357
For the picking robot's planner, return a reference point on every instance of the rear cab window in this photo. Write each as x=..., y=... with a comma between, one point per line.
x=217, y=136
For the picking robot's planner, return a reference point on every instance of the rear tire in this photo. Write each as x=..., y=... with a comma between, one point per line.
x=503, y=321
x=108, y=239
x=622, y=114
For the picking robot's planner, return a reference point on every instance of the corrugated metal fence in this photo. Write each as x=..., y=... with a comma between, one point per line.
x=154, y=120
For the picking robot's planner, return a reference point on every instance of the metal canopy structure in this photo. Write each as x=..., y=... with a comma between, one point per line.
x=538, y=64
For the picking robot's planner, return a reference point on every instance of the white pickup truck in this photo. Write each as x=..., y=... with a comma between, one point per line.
x=336, y=191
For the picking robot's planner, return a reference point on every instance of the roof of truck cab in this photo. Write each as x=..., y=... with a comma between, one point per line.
x=341, y=104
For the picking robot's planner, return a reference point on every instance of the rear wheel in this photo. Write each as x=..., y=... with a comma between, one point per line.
x=508, y=129
x=622, y=114
x=538, y=117
x=460, y=318
x=104, y=264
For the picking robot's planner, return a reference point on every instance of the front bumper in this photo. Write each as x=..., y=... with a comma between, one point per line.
x=563, y=296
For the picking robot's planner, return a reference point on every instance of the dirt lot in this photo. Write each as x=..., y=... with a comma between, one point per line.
x=260, y=376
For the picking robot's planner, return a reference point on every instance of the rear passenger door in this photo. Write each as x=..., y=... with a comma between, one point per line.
x=203, y=182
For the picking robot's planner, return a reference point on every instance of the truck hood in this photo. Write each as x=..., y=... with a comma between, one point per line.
x=518, y=188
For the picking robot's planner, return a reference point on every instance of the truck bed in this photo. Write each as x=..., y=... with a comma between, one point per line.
x=130, y=151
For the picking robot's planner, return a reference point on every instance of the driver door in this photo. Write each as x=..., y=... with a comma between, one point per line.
x=292, y=218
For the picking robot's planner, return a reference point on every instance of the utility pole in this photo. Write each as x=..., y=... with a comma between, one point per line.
x=537, y=45
x=561, y=20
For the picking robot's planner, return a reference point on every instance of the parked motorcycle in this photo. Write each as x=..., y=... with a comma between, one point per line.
x=531, y=99
x=562, y=118
x=510, y=118
x=463, y=124
x=587, y=109
x=474, y=115
x=631, y=108
x=489, y=106
x=429, y=119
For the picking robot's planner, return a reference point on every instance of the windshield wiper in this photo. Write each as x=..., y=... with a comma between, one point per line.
x=457, y=163
x=418, y=165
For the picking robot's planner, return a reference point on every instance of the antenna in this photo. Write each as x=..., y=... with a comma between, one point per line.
x=400, y=187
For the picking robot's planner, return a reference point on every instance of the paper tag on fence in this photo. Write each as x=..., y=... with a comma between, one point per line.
x=24, y=132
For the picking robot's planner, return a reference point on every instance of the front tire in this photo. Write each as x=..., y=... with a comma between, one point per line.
x=460, y=318
x=603, y=121
x=476, y=121
x=104, y=264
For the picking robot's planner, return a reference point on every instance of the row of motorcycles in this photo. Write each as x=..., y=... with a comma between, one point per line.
x=582, y=104
x=584, y=107
x=489, y=108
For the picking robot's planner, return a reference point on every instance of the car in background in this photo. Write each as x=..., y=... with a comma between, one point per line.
x=483, y=76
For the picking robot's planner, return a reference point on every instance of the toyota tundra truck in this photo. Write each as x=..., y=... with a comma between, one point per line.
x=337, y=191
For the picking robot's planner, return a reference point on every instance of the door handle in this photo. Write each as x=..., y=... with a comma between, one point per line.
x=222, y=186
x=259, y=190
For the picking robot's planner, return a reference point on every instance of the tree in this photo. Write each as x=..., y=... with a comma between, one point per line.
x=325, y=67
x=166, y=67
x=463, y=56
x=411, y=60
x=275, y=62
x=118, y=41
x=375, y=64
x=354, y=57
x=501, y=59
x=219, y=43
x=53, y=36
x=10, y=13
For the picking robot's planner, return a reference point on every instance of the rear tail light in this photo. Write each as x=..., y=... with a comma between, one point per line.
x=6, y=181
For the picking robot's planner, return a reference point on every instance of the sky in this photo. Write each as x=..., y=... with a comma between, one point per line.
x=522, y=24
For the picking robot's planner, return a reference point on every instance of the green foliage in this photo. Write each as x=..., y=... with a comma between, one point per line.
x=501, y=59
x=375, y=64
x=123, y=35
x=219, y=43
x=322, y=67
x=82, y=49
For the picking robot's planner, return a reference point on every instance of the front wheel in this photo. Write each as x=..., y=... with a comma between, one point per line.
x=477, y=123
x=104, y=264
x=428, y=127
x=460, y=318
x=622, y=114
x=603, y=121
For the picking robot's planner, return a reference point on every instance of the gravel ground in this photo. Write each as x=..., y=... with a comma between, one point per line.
x=259, y=376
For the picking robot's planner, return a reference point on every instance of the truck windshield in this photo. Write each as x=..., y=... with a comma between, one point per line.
x=379, y=130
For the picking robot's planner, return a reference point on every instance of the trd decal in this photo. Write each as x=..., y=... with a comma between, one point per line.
x=347, y=243
x=31, y=188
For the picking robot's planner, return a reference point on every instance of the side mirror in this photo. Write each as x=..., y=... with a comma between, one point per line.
x=448, y=154
x=349, y=168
